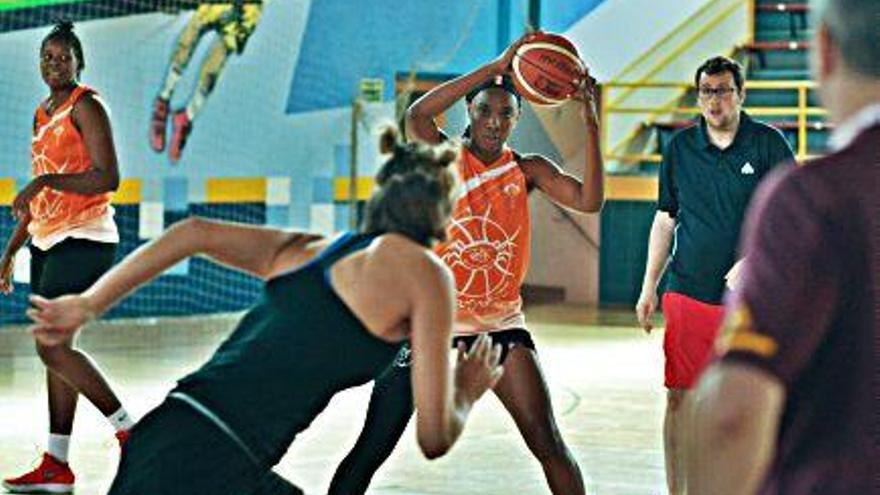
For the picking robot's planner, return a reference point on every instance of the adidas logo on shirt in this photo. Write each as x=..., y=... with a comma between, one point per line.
x=747, y=169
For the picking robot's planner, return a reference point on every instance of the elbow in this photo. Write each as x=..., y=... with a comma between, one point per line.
x=726, y=423
x=434, y=448
x=412, y=113
x=594, y=206
x=434, y=441
x=410, y=117
x=196, y=227
x=591, y=204
x=414, y=121
x=113, y=184
x=193, y=232
x=109, y=181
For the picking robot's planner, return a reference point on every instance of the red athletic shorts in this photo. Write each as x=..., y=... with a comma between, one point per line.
x=691, y=327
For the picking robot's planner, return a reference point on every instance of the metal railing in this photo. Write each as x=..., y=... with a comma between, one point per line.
x=802, y=111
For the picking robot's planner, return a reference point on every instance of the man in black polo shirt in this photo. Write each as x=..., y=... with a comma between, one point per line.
x=707, y=177
x=793, y=405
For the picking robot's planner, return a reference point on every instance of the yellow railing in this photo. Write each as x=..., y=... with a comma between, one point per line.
x=653, y=52
x=707, y=26
x=802, y=111
x=750, y=19
x=667, y=52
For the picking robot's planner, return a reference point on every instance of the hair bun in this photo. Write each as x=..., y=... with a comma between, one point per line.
x=389, y=140
x=64, y=25
x=448, y=154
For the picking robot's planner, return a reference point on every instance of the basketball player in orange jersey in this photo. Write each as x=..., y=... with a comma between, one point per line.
x=488, y=251
x=66, y=211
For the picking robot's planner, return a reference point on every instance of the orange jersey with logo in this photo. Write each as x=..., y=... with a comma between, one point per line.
x=57, y=147
x=488, y=242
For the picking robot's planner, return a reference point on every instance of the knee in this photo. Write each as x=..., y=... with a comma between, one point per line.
x=53, y=356
x=674, y=400
x=546, y=442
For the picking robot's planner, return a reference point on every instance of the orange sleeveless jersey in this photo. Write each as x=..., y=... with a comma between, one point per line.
x=488, y=243
x=58, y=147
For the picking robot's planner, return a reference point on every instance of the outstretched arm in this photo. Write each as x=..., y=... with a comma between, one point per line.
x=443, y=402
x=259, y=251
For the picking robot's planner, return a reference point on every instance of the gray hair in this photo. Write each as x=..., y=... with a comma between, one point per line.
x=855, y=27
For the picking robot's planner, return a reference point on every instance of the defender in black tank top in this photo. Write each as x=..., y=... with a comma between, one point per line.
x=267, y=382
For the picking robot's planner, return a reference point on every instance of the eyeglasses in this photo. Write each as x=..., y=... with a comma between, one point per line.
x=707, y=93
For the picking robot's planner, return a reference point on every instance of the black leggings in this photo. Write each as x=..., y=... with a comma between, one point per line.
x=175, y=450
x=391, y=406
x=69, y=267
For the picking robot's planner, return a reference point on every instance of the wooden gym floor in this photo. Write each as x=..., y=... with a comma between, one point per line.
x=605, y=377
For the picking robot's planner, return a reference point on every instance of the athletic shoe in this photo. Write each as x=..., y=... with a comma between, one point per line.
x=122, y=437
x=51, y=476
x=158, y=124
x=181, y=126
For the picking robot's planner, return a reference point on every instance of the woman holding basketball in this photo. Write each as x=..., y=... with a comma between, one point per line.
x=488, y=252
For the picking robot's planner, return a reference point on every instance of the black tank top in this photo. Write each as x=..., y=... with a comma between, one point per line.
x=297, y=347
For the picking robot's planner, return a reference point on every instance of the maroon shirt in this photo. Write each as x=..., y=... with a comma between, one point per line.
x=807, y=311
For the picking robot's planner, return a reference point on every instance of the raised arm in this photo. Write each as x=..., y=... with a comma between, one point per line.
x=255, y=250
x=587, y=194
x=442, y=405
x=419, y=118
x=93, y=123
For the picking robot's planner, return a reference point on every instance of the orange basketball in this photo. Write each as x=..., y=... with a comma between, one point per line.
x=547, y=69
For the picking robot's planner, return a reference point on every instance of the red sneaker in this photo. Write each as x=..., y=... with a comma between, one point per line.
x=51, y=476
x=181, y=126
x=122, y=437
x=158, y=124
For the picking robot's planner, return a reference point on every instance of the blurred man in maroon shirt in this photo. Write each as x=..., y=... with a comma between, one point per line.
x=791, y=405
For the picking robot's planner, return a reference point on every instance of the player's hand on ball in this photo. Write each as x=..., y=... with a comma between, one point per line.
x=503, y=63
x=586, y=94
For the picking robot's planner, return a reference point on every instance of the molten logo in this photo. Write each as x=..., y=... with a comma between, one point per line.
x=563, y=65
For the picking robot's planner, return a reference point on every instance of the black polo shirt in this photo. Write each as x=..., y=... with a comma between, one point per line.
x=706, y=190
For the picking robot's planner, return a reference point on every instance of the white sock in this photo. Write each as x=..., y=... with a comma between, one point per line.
x=121, y=420
x=59, y=446
x=196, y=104
x=170, y=83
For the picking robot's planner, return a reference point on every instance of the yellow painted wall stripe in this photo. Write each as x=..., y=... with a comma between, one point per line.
x=630, y=188
x=236, y=190
x=364, y=188
x=129, y=192
x=7, y=191
x=253, y=190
